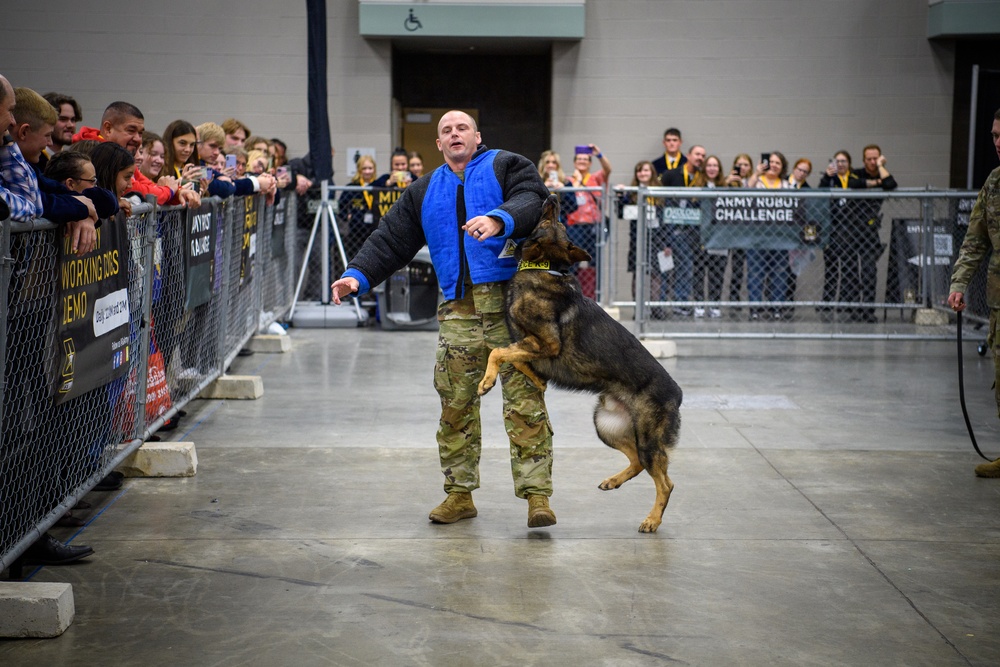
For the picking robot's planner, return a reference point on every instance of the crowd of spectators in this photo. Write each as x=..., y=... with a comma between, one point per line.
x=681, y=264
x=77, y=177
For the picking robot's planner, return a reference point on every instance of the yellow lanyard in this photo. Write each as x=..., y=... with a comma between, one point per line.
x=687, y=180
x=671, y=165
x=369, y=197
x=843, y=180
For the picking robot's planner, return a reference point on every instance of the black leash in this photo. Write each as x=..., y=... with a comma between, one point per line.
x=961, y=390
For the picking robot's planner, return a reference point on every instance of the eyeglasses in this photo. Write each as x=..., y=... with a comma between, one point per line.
x=89, y=180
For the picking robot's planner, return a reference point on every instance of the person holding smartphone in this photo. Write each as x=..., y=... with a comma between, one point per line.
x=555, y=179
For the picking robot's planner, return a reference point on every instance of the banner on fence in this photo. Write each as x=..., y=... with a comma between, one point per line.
x=93, y=334
x=772, y=221
x=249, y=254
x=199, y=255
x=278, y=229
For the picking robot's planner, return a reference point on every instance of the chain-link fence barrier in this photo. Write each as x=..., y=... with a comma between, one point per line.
x=787, y=263
x=98, y=352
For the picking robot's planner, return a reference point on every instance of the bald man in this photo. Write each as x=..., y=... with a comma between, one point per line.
x=469, y=213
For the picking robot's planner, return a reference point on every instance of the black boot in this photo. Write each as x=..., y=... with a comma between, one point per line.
x=47, y=550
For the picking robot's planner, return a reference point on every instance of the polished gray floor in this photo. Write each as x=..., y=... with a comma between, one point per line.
x=825, y=513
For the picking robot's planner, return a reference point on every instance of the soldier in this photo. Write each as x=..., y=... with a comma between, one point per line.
x=498, y=196
x=982, y=237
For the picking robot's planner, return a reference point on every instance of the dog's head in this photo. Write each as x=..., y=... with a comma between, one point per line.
x=549, y=242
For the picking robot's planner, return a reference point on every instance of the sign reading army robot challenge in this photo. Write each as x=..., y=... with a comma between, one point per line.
x=93, y=313
x=200, y=255
x=779, y=221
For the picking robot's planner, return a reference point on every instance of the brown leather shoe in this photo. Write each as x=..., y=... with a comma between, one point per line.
x=539, y=514
x=456, y=506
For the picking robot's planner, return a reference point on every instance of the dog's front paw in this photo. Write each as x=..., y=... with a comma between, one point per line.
x=485, y=385
x=610, y=484
x=649, y=526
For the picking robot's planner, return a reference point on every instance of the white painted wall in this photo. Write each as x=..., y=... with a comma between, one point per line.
x=806, y=77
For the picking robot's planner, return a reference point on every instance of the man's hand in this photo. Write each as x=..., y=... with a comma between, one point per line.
x=957, y=301
x=343, y=287
x=302, y=184
x=83, y=235
x=482, y=227
x=189, y=197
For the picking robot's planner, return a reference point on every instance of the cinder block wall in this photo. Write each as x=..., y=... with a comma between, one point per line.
x=806, y=77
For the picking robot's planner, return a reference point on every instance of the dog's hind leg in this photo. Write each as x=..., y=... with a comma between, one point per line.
x=658, y=471
x=616, y=429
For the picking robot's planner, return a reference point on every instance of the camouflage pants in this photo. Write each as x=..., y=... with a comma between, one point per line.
x=469, y=328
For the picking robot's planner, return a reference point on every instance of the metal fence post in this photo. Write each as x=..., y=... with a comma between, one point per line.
x=641, y=260
x=6, y=262
x=927, y=251
x=142, y=373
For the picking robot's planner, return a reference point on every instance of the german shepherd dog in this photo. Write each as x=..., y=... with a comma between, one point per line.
x=563, y=337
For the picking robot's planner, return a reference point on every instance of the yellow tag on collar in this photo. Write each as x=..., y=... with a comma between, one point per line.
x=522, y=265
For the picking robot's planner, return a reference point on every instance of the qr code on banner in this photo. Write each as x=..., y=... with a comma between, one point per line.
x=942, y=245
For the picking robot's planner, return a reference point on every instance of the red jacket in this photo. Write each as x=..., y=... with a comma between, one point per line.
x=140, y=182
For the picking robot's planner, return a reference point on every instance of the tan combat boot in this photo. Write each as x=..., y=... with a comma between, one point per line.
x=539, y=514
x=456, y=506
x=991, y=469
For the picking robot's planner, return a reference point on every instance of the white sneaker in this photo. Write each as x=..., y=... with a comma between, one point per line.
x=189, y=374
x=699, y=312
x=714, y=312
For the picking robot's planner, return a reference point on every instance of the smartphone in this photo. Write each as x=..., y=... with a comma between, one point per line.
x=582, y=150
x=207, y=173
x=282, y=172
x=231, y=161
x=736, y=170
x=553, y=175
x=765, y=157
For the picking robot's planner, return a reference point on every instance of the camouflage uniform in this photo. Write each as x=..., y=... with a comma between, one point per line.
x=983, y=236
x=469, y=328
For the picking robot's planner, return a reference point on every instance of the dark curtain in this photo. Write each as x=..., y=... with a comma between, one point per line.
x=319, y=122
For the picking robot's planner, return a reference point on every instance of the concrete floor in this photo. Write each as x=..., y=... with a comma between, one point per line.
x=825, y=513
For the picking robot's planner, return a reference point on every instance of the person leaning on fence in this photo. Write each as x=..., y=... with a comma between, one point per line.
x=210, y=140
x=151, y=156
x=468, y=212
x=738, y=177
x=555, y=179
x=357, y=209
x=872, y=176
x=415, y=163
x=710, y=269
x=644, y=175
x=839, y=260
x=672, y=159
x=123, y=124
x=684, y=239
x=982, y=239
x=68, y=115
x=767, y=268
x=236, y=132
x=29, y=193
x=30, y=327
x=399, y=175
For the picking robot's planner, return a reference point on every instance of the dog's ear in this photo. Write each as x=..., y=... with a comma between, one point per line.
x=550, y=209
x=578, y=254
x=532, y=252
